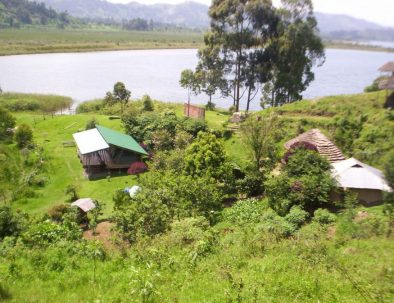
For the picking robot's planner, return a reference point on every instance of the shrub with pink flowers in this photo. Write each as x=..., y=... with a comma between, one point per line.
x=137, y=168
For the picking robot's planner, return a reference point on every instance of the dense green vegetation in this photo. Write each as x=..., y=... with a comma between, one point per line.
x=47, y=104
x=360, y=125
x=188, y=236
x=16, y=13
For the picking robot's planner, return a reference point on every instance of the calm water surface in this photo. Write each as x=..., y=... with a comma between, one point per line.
x=85, y=76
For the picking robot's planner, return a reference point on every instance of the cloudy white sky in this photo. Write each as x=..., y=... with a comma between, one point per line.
x=379, y=11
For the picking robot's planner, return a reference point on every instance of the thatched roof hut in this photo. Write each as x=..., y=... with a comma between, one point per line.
x=387, y=68
x=324, y=146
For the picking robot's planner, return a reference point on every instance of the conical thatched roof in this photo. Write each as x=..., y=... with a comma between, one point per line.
x=324, y=146
x=387, y=68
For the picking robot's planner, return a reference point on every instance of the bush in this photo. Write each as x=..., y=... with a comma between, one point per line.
x=245, y=212
x=142, y=127
x=206, y=157
x=47, y=232
x=90, y=106
x=323, y=216
x=91, y=124
x=210, y=106
x=305, y=181
x=7, y=121
x=72, y=192
x=187, y=231
x=137, y=168
x=11, y=224
x=56, y=212
x=251, y=185
x=23, y=135
x=297, y=216
x=121, y=199
x=162, y=140
x=37, y=180
x=277, y=227
x=147, y=103
x=164, y=198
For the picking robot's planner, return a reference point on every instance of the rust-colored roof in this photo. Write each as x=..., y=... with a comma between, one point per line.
x=387, y=68
x=387, y=83
x=324, y=146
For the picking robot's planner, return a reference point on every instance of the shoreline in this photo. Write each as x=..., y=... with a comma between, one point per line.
x=92, y=49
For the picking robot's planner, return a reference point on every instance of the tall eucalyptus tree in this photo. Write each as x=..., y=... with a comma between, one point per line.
x=239, y=28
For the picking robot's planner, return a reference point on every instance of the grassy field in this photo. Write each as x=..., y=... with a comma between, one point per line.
x=373, y=143
x=64, y=165
x=53, y=40
x=41, y=40
x=246, y=257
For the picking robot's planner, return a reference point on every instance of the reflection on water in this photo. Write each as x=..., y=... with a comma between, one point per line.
x=85, y=76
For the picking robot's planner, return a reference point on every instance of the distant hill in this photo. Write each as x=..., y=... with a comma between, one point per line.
x=188, y=14
x=343, y=27
x=195, y=15
x=15, y=13
x=329, y=23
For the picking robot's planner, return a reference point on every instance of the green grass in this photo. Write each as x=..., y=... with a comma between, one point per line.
x=47, y=40
x=377, y=135
x=32, y=40
x=64, y=165
x=34, y=102
x=65, y=168
x=243, y=263
x=243, y=266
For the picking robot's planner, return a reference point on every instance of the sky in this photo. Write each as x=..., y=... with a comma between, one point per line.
x=378, y=11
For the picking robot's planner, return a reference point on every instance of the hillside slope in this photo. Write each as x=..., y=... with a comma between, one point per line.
x=190, y=14
x=16, y=13
x=359, y=124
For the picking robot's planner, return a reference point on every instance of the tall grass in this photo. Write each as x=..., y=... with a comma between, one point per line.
x=44, y=40
x=17, y=102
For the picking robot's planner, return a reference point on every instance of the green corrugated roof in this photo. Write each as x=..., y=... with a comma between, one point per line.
x=120, y=140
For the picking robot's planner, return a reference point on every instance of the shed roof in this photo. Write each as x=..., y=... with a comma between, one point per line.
x=324, y=146
x=387, y=68
x=352, y=173
x=90, y=141
x=86, y=204
x=120, y=140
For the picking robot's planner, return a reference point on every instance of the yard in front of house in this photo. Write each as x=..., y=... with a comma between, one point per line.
x=63, y=167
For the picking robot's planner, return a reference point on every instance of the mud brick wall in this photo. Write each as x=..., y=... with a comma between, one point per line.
x=194, y=111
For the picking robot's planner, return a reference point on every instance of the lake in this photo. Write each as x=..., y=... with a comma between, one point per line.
x=85, y=76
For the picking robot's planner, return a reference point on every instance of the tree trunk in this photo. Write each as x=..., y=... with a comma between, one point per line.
x=188, y=103
x=249, y=94
x=238, y=82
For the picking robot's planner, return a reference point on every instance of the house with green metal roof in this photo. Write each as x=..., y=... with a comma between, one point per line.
x=102, y=150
